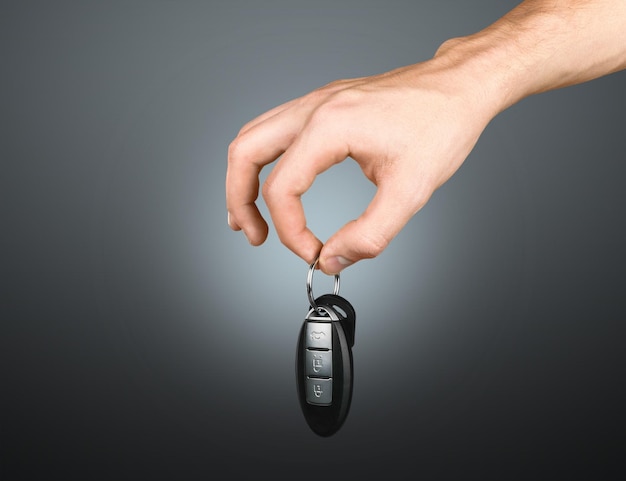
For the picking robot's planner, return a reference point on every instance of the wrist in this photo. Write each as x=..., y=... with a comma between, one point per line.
x=500, y=74
x=540, y=46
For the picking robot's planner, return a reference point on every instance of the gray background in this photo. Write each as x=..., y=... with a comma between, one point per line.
x=142, y=339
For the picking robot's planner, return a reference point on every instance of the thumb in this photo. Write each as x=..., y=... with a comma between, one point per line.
x=370, y=234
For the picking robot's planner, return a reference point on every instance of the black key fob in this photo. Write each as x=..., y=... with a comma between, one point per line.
x=324, y=366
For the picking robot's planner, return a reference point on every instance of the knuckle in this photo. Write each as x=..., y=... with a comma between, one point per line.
x=320, y=94
x=413, y=197
x=245, y=128
x=235, y=150
x=336, y=104
x=286, y=240
x=270, y=191
x=315, y=97
x=373, y=244
x=352, y=95
x=324, y=109
x=418, y=201
x=423, y=195
x=347, y=98
x=324, y=115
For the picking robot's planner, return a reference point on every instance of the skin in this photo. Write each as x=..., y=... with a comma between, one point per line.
x=410, y=129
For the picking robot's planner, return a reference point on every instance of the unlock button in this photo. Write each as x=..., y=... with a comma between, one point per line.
x=319, y=391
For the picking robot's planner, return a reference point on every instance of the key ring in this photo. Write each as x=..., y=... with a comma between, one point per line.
x=309, y=285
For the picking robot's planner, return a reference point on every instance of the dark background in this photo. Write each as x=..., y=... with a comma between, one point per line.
x=142, y=339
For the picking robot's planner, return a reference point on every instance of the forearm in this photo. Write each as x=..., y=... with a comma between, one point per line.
x=541, y=45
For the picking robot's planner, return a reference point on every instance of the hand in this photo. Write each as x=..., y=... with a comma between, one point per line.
x=409, y=130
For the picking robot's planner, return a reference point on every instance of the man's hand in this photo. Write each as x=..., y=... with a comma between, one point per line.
x=410, y=129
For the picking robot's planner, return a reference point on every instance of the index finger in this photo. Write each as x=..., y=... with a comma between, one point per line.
x=315, y=150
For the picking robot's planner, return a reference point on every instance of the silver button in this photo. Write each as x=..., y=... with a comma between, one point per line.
x=319, y=391
x=319, y=363
x=319, y=335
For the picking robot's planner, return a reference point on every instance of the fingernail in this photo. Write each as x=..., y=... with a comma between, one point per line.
x=228, y=220
x=337, y=263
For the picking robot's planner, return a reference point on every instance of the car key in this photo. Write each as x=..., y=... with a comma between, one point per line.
x=324, y=363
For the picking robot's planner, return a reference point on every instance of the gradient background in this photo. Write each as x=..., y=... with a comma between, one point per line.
x=142, y=339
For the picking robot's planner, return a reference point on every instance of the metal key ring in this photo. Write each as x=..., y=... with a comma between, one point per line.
x=309, y=285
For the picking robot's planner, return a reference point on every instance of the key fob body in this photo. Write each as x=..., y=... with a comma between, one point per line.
x=324, y=365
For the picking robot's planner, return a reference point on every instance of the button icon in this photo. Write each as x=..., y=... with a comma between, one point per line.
x=317, y=363
x=317, y=390
x=317, y=335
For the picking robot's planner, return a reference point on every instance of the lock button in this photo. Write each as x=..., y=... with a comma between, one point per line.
x=319, y=363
